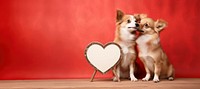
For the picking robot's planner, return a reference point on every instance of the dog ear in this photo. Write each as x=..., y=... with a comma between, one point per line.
x=160, y=25
x=143, y=16
x=120, y=15
x=139, y=16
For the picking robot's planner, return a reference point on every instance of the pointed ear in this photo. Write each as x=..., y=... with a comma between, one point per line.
x=120, y=15
x=143, y=16
x=160, y=25
x=140, y=16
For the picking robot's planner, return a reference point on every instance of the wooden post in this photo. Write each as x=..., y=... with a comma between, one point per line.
x=95, y=71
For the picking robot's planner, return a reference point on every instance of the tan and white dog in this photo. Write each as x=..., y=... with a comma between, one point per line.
x=150, y=51
x=125, y=36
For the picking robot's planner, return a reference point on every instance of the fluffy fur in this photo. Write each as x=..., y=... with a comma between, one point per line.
x=125, y=36
x=150, y=51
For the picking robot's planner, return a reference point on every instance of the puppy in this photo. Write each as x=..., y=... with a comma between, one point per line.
x=125, y=36
x=150, y=51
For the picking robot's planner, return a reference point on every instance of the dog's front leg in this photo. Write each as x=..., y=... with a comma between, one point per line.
x=132, y=70
x=157, y=71
x=148, y=73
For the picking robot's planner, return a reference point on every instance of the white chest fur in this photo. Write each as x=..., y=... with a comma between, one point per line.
x=127, y=47
x=142, y=43
x=128, y=52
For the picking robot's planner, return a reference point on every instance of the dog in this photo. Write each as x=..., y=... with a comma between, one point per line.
x=125, y=36
x=150, y=51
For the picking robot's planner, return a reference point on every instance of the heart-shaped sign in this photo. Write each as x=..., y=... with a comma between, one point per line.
x=103, y=58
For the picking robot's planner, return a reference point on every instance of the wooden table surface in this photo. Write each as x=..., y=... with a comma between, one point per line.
x=179, y=83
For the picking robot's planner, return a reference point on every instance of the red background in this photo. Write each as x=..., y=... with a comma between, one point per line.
x=46, y=39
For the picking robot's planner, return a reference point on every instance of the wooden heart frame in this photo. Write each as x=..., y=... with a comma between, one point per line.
x=103, y=46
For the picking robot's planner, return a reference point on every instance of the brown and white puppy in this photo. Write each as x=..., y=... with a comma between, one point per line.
x=125, y=36
x=150, y=51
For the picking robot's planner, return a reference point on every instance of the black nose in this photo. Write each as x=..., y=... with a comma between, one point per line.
x=137, y=25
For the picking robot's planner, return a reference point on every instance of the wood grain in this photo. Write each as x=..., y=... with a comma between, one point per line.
x=180, y=83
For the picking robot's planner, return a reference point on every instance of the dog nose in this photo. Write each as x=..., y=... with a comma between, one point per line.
x=137, y=25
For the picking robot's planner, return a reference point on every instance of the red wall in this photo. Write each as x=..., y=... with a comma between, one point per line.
x=47, y=38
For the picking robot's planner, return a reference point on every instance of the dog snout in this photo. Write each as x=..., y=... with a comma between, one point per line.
x=137, y=25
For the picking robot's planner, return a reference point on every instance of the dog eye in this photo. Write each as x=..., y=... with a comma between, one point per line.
x=146, y=25
x=128, y=21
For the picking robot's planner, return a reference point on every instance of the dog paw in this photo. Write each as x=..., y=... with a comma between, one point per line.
x=156, y=80
x=145, y=79
x=115, y=79
x=134, y=79
x=170, y=78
